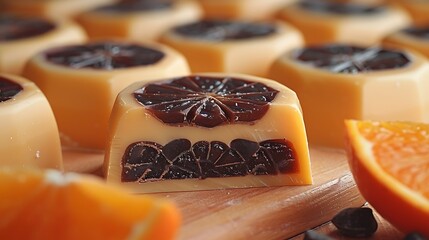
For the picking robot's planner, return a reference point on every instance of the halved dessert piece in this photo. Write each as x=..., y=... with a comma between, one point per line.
x=207, y=131
x=242, y=9
x=29, y=134
x=22, y=37
x=138, y=20
x=326, y=21
x=417, y=9
x=51, y=9
x=337, y=82
x=81, y=82
x=232, y=46
x=416, y=38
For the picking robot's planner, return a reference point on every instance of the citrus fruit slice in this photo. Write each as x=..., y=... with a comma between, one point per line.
x=390, y=164
x=52, y=205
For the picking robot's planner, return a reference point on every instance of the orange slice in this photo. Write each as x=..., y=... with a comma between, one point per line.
x=52, y=205
x=390, y=164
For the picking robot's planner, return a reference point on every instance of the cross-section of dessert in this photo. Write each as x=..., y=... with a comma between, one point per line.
x=207, y=131
x=337, y=82
x=81, y=82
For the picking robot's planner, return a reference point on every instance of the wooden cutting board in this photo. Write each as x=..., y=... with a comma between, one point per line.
x=257, y=213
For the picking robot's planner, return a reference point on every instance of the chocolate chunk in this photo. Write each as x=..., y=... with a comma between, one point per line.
x=340, y=8
x=8, y=89
x=206, y=101
x=221, y=30
x=15, y=28
x=420, y=32
x=351, y=59
x=356, y=222
x=103, y=55
x=148, y=161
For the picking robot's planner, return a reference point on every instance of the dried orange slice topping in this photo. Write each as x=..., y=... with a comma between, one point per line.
x=390, y=163
x=52, y=205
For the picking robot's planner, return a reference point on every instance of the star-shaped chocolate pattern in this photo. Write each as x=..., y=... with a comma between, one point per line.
x=8, y=89
x=219, y=30
x=340, y=8
x=419, y=32
x=206, y=101
x=104, y=55
x=351, y=59
x=14, y=27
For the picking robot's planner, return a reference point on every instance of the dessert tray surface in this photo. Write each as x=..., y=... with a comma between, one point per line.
x=256, y=213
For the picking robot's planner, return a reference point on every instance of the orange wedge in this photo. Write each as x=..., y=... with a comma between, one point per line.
x=390, y=164
x=48, y=205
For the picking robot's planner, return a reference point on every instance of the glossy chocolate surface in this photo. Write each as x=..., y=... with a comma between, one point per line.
x=220, y=30
x=206, y=101
x=15, y=28
x=103, y=55
x=340, y=8
x=351, y=59
x=419, y=32
x=179, y=159
x=8, y=89
x=136, y=6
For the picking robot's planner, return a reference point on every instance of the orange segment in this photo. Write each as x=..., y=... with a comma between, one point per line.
x=51, y=205
x=390, y=164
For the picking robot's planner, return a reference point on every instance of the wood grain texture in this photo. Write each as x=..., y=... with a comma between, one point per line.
x=384, y=231
x=259, y=213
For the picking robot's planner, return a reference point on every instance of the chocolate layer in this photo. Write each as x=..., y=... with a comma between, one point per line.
x=341, y=8
x=419, y=32
x=351, y=59
x=8, y=89
x=206, y=101
x=220, y=30
x=179, y=159
x=104, y=55
x=136, y=6
x=14, y=27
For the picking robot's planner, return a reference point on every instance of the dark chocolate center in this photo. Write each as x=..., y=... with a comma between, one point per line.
x=351, y=59
x=419, y=32
x=8, y=89
x=14, y=28
x=105, y=55
x=218, y=30
x=179, y=159
x=206, y=101
x=340, y=8
x=136, y=6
